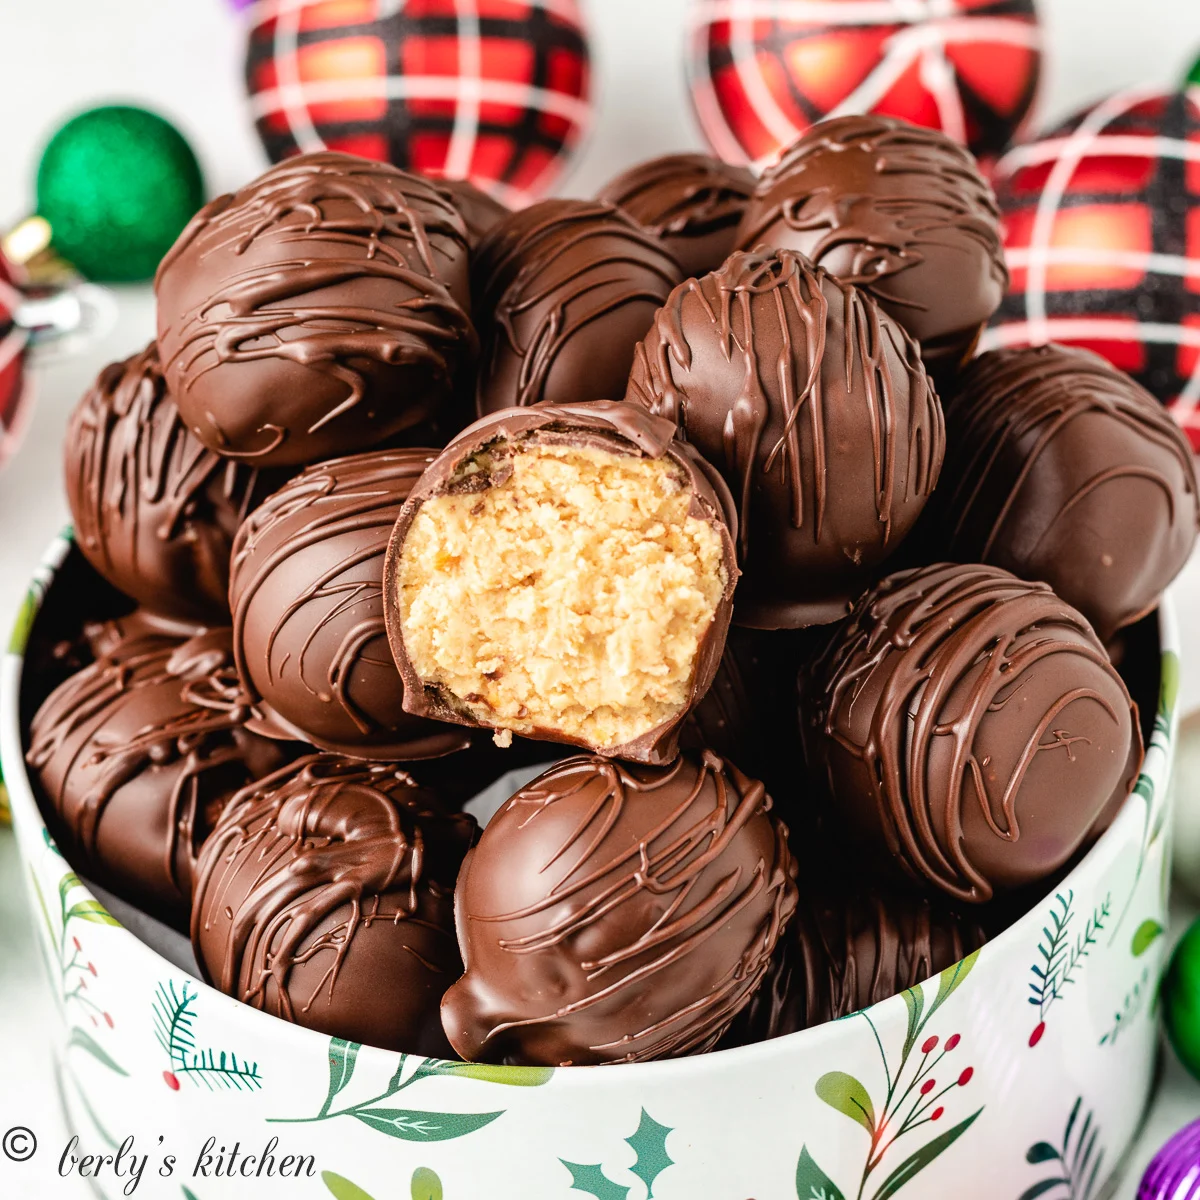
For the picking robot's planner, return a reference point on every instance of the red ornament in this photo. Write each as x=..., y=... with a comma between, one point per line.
x=763, y=71
x=1102, y=223
x=495, y=91
x=15, y=389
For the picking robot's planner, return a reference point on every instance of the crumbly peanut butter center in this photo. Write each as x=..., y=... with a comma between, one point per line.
x=572, y=597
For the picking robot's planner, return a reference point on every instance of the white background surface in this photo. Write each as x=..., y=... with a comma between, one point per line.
x=184, y=58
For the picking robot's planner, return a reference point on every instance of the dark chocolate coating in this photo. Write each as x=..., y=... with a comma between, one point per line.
x=318, y=311
x=693, y=203
x=613, y=426
x=155, y=511
x=138, y=753
x=849, y=948
x=563, y=291
x=968, y=729
x=899, y=210
x=613, y=913
x=325, y=897
x=307, y=598
x=478, y=210
x=1063, y=469
x=814, y=406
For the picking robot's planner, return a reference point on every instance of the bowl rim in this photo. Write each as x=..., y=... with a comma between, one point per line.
x=1151, y=786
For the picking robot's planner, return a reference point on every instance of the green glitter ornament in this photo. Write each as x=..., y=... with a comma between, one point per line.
x=1181, y=1000
x=117, y=185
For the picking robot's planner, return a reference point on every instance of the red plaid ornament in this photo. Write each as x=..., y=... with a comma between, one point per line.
x=495, y=91
x=1102, y=234
x=764, y=71
x=14, y=379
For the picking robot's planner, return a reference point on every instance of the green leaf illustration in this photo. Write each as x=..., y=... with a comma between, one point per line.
x=426, y=1185
x=90, y=910
x=593, y=1181
x=848, y=1096
x=342, y=1055
x=952, y=978
x=1168, y=693
x=491, y=1073
x=188, y=1194
x=411, y=1126
x=84, y=1040
x=343, y=1189
x=1148, y=932
x=67, y=884
x=923, y=1157
x=41, y=899
x=1041, y=1152
x=1040, y=1189
x=19, y=638
x=812, y=1183
x=649, y=1143
x=914, y=1001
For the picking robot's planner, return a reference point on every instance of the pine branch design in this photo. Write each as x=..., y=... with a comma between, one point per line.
x=174, y=1020
x=1062, y=959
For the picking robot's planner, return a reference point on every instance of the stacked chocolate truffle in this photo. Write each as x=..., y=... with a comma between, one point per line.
x=411, y=489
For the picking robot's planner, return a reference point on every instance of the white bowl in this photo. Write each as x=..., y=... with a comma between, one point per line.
x=1028, y=1063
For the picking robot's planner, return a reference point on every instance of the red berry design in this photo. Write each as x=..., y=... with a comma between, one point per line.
x=78, y=947
x=966, y=1076
x=937, y=1112
x=92, y=967
x=927, y=1087
x=930, y=1045
x=171, y=1080
x=952, y=1041
x=109, y=1020
x=1036, y=1035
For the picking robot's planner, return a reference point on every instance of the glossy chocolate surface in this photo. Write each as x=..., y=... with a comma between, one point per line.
x=324, y=897
x=307, y=597
x=614, y=913
x=155, y=511
x=139, y=752
x=478, y=210
x=1063, y=469
x=615, y=427
x=815, y=408
x=693, y=203
x=318, y=311
x=968, y=730
x=899, y=210
x=563, y=291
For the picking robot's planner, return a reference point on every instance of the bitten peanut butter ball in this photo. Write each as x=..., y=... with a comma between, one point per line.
x=815, y=407
x=1061, y=468
x=565, y=573
x=316, y=312
x=968, y=730
x=616, y=913
x=325, y=897
x=898, y=210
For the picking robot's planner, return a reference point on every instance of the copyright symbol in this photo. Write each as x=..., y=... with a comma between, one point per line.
x=19, y=1144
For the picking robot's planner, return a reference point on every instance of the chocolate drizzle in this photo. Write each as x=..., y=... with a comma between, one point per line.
x=899, y=210
x=324, y=897
x=568, y=286
x=155, y=511
x=618, y=914
x=307, y=594
x=770, y=367
x=139, y=751
x=692, y=202
x=1063, y=469
x=970, y=728
x=346, y=277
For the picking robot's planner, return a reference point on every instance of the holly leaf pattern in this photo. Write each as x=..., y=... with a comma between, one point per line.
x=410, y=1126
x=922, y=1158
x=342, y=1055
x=811, y=1182
x=592, y=1180
x=649, y=1143
x=343, y=1189
x=84, y=1040
x=426, y=1185
x=1148, y=932
x=844, y=1093
x=952, y=978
